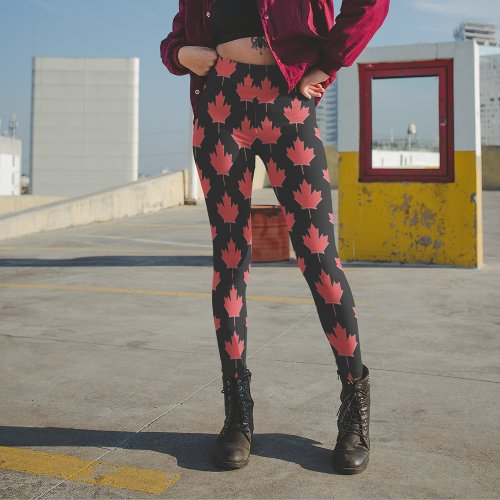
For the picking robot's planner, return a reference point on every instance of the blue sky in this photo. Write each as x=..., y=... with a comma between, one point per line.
x=133, y=28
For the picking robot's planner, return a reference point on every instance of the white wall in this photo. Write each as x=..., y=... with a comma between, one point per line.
x=85, y=124
x=10, y=166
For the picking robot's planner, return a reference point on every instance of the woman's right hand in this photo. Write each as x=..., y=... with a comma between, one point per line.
x=197, y=58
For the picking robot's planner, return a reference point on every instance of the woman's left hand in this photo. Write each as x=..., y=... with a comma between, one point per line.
x=310, y=83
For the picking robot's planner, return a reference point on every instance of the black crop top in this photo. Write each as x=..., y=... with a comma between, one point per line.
x=234, y=19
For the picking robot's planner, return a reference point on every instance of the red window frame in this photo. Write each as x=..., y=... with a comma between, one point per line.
x=443, y=69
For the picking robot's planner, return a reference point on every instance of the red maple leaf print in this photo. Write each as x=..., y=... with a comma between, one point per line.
x=331, y=218
x=317, y=133
x=246, y=274
x=326, y=175
x=276, y=175
x=231, y=255
x=314, y=241
x=306, y=197
x=245, y=184
x=221, y=161
x=205, y=183
x=339, y=264
x=215, y=279
x=299, y=154
x=331, y=291
x=219, y=111
x=267, y=92
x=227, y=209
x=267, y=133
x=213, y=229
x=246, y=90
x=302, y=264
x=344, y=344
x=247, y=232
x=245, y=135
x=354, y=309
x=289, y=218
x=233, y=303
x=216, y=322
x=296, y=113
x=198, y=134
x=225, y=67
x=235, y=347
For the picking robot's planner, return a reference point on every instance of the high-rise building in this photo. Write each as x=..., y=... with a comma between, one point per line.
x=84, y=124
x=490, y=99
x=483, y=33
x=10, y=165
x=327, y=116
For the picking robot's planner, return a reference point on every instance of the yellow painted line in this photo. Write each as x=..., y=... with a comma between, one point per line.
x=157, y=293
x=103, y=249
x=86, y=471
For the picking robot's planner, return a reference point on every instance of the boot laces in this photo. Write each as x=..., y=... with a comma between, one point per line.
x=237, y=415
x=351, y=418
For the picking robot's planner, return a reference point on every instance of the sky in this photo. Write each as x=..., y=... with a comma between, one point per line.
x=135, y=28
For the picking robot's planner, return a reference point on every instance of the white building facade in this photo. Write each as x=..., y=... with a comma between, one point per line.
x=10, y=165
x=84, y=124
x=327, y=116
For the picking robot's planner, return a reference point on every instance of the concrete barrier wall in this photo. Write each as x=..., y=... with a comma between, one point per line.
x=140, y=197
x=491, y=167
x=16, y=203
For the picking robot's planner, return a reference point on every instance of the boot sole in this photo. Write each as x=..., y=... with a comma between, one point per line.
x=227, y=464
x=351, y=470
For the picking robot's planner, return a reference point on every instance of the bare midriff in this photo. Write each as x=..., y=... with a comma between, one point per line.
x=250, y=49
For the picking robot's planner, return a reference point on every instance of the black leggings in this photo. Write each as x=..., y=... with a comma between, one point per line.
x=246, y=109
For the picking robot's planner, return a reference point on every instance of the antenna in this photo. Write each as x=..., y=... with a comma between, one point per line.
x=13, y=125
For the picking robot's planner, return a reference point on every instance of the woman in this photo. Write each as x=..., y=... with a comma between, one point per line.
x=258, y=68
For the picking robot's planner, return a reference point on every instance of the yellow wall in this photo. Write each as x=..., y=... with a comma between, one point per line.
x=412, y=222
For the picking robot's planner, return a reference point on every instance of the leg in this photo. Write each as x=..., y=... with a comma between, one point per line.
x=227, y=186
x=297, y=168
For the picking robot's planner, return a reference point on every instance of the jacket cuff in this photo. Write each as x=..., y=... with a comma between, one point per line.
x=175, y=59
x=328, y=66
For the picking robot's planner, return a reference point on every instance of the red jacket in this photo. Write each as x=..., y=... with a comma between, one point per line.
x=300, y=34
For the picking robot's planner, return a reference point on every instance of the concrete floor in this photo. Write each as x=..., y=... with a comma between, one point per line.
x=108, y=351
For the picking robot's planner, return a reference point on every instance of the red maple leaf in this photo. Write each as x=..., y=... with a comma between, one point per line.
x=213, y=229
x=221, y=161
x=219, y=111
x=326, y=175
x=267, y=92
x=216, y=322
x=215, y=279
x=245, y=184
x=205, y=182
x=231, y=255
x=267, y=133
x=299, y=154
x=339, y=264
x=233, y=303
x=341, y=342
x=276, y=175
x=331, y=291
x=235, y=347
x=289, y=218
x=302, y=264
x=247, y=232
x=225, y=67
x=246, y=90
x=354, y=309
x=306, y=197
x=245, y=276
x=296, y=113
x=198, y=134
x=331, y=218
x=227, y=209
x=317, y=133
x=245, y=135
x=314, y=241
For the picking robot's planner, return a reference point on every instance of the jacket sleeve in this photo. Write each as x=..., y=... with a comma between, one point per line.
x=353, y=29
x=169, y=47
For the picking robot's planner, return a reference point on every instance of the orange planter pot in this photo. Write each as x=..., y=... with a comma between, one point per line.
x=270, y=238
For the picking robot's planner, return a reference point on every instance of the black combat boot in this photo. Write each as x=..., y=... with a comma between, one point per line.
x=352, y=450
x=234, y=443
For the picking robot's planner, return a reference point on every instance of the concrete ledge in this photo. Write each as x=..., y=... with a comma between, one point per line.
x=16, y=203
x=140, y=197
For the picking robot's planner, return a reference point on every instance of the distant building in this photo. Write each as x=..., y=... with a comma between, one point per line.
x=327, y=116
x=483, y=33
x=85, y=124
x=10, y=165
